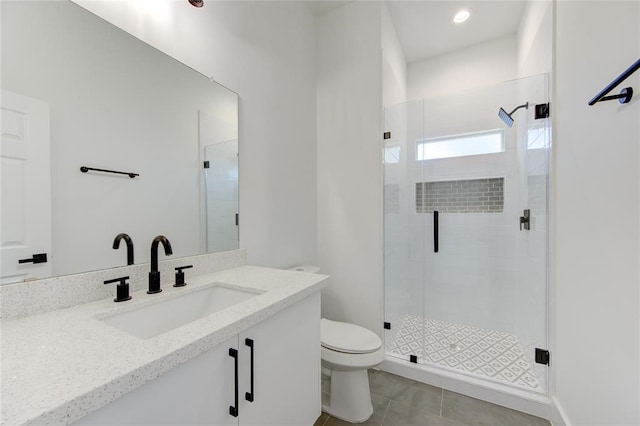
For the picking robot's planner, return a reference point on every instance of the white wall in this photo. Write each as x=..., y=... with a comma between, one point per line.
x=394, y=65
x=264, y=51
x=597, y=169
x=476, y=66
x=349, y=109
x=535, y=38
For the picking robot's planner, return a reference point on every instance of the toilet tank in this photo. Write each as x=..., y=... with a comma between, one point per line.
x=310, y=269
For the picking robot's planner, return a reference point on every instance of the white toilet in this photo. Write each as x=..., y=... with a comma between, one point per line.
x=347, y=351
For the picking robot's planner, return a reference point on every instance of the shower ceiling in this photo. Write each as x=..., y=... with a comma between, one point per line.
x=425, y=27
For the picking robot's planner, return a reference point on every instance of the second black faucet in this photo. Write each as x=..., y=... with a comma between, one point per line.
x=127, y=239
x=154, y=274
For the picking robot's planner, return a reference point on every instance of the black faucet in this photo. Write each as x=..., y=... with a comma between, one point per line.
x=129, y=241
x=154, y=275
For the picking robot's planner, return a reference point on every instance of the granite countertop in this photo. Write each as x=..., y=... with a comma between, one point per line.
x=61, y=365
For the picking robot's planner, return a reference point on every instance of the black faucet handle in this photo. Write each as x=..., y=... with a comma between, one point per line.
x=180, y=276
x=122, y=289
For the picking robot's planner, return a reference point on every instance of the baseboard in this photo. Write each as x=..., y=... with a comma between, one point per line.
x=522, y=400
x=558, y=415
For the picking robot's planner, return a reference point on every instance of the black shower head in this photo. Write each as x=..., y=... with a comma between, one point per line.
x=506, y=117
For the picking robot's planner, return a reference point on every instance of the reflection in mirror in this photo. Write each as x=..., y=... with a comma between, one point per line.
x=77, y=91
x=220, y=183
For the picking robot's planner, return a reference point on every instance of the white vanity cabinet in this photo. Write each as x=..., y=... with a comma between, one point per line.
x=286, y=379
x=286, y=367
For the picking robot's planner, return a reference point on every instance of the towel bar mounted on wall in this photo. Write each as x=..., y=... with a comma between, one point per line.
x=84, y=169
x=625, y=94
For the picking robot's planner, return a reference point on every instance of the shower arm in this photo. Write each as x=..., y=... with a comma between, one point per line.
x=518, y=107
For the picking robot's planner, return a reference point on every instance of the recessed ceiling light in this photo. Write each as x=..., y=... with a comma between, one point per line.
x=196, y=3
x=462, y=16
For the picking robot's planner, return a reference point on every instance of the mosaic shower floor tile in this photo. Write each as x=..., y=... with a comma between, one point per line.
x=485, y=353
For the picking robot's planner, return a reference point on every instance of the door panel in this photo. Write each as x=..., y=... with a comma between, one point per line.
x=286, y=367
x=25, y=201
x=198, y=392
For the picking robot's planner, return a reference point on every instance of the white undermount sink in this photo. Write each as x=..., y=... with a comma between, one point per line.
x=152, y=320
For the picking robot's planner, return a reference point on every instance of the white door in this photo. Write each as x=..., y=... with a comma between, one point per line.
x=25, y=197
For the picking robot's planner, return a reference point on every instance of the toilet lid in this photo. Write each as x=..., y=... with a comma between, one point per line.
x=348, y=338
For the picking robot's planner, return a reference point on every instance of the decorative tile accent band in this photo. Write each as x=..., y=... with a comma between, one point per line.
x=461, y=196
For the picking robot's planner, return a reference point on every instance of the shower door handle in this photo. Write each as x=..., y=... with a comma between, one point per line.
x=436, y=235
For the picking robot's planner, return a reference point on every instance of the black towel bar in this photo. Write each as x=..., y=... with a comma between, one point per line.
x=84, y=169
x=625, y=94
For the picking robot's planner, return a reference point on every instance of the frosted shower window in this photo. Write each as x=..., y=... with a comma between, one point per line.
x=490, y=142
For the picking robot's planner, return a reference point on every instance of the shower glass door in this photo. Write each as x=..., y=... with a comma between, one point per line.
x=221, y=195
x=474, y=299
x=404, y=230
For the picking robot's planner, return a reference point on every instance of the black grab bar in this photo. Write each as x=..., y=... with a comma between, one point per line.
x=625, y=94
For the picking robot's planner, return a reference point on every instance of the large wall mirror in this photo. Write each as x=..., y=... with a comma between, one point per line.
x=79, y=92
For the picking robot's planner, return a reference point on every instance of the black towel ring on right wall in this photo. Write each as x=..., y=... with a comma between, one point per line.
x=625, y=94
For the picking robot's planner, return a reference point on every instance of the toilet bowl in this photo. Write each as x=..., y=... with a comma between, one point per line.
x=347, y=352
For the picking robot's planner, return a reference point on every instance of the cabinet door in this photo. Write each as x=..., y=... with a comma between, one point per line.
x=198, y=392
x=286, y=380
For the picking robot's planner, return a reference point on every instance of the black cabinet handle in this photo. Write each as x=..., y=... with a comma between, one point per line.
x=250, y=395
x=233, y=409
x=436, y=236
x=36, y=258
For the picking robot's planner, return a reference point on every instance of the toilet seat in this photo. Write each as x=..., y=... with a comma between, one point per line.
x=348, y=338
x=341, y=361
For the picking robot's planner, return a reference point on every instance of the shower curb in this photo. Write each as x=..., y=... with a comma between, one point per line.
x=517, y=399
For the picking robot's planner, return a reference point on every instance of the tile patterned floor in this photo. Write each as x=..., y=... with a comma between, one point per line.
x=398, y=402
x=473, y=350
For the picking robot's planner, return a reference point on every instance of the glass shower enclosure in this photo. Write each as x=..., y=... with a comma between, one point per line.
x=466, y=232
